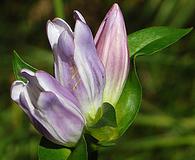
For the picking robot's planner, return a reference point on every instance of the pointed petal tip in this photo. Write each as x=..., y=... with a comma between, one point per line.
x=55, y=28
x=115, y=9
x=78, y=16
x=16, y=89
x=28, y=72
x=48, y=21
x=49, y=24
x=75, y=12
x=114, y=13
x=115, y=6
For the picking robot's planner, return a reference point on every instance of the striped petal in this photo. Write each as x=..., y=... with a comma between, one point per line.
x=111, y=44
x=89, y=67
x=66, y=71
x=67, y=124
x=63, y=63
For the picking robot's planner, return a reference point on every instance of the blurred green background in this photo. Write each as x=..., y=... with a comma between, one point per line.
x=165, y=125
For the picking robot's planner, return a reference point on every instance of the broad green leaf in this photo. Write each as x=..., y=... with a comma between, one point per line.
x=150, y=40
x=18, y=65
x=50, y=151
x=130, y=100
x=80, y=152
x=108, y=117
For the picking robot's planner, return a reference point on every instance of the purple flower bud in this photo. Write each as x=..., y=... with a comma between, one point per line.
x=112, y=48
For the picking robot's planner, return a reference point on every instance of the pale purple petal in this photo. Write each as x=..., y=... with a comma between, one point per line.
x=89, y=66
x=38, y=120
x=55, y=28
x=16, y=89
x=111, y=44
x=24, y=101
x=44, y=81
x=67, y=124
x=54, y=115
x=86, y=82
x=65, y=69
x=64, y=63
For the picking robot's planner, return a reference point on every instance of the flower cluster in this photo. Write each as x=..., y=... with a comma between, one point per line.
x=88, y=72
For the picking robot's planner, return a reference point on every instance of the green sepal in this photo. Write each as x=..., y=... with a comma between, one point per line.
x=80, y=151
x=151, y=40
x=19, y=64
x=49, y=151
x=108, y=117
x=130, y=100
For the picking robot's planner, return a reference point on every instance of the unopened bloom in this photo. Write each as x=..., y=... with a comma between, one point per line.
x=87, y=72
x=112, y=48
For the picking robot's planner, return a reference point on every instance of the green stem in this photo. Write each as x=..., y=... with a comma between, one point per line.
x=91, y=147
x=59, y=8
x=93, y=155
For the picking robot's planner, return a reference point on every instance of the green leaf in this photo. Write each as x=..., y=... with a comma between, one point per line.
x=150, y=40
x=108, y=117
x=50, y=151
x=80, y=152
x=106, y=135
x=130, y=100
x=18, y=65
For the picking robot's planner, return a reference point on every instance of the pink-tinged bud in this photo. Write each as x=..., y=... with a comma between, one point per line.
x=112, y=48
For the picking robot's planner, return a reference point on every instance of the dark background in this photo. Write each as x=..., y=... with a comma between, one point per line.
x=165, y=125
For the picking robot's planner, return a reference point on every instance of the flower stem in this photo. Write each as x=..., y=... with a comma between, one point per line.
x=59, y=8
x=93, y=155
x=91, y=147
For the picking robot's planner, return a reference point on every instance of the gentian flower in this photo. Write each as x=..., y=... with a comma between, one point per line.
x=88, y=72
